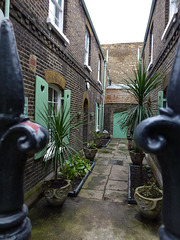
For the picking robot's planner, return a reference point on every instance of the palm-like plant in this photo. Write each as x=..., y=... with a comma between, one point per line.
x=140, y=87
x=60, y=124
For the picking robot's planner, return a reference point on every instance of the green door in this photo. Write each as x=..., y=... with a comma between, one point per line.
x=117, y=132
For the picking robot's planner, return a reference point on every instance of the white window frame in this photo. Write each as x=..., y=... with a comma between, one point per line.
x=87, y=51
x=151, y=61
x=97, y=116
x=173, y=10
x=49, y=154
x=99, y=71
x=57, y=23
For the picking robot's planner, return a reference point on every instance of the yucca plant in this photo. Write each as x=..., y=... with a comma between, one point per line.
x=140, y=87
x=60, y=124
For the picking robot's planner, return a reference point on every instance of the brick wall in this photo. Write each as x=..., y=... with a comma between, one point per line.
x=163, y=51
x=122, y=59
x=118, y=96
x=34, y=38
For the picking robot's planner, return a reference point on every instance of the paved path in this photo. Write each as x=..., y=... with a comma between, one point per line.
x=100, y=211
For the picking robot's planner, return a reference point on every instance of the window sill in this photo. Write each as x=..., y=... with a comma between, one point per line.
x=168, y=27
x=52, y=26
x=88, y=67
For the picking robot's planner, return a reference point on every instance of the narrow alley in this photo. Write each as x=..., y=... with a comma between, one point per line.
x=100, y=211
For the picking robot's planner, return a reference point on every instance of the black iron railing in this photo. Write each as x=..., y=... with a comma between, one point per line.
x=18, y=137
x=160, y=135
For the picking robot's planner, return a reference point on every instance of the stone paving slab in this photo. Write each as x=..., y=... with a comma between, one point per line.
x=91, y=194
x=105, y=155
x=119, y=173
x=118, y=156
x=117, y=185
x=95, y=182
x=102, y=170
x=102, y=161
x=115, y=196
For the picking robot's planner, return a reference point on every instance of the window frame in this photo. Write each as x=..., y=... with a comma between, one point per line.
x=59, y=97
x=98, y=117
x=51, y=20
x=87, y=49
x=173, y=10
x=99, y=70
x=49, y=154
x=151, y=48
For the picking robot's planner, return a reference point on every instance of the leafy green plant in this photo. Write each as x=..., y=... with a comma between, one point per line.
x=91, y=145
x=60, y=124
x=150, y=190
x=97, y=135
x=76, y=167
x=140, y=87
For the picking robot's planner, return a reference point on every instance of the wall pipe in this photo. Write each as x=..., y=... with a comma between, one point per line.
x=7, y=6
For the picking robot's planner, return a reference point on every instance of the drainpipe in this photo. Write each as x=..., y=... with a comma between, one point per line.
x=7, y=6
x=104, y=85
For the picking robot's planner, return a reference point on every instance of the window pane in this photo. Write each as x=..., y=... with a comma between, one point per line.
x=55, y=96
x=57, y=17
x=50, y=94
x=60, y=2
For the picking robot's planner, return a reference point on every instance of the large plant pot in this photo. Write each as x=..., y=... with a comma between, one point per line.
x=55, y=195
x=136, y=158
x=149, y=207
x=90, y=153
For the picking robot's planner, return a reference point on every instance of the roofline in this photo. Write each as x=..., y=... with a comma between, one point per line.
x=92, y=26
x=148, y=25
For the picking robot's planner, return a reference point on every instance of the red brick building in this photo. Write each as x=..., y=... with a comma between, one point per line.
x=62, y=62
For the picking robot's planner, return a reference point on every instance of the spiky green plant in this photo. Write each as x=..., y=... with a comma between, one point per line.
x=140, y=87
x=60, y=124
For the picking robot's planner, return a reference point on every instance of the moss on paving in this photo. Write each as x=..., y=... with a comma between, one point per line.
x=84, y=219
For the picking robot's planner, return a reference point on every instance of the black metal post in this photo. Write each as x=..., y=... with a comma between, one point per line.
x=160, y=135
x=18, y=137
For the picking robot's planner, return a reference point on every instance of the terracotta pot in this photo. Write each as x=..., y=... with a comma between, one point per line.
x=90, y=153
x=53, y=195
x=148, y=207
x=136, y=158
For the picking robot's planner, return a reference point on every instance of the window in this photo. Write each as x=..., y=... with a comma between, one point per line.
x=99, y=70
x=55, y=101
x=98, y=117
x=55, y=97
x=87, y=51
x=56, y=17
x=171, y=9
x=49, y=93
x=150, y=49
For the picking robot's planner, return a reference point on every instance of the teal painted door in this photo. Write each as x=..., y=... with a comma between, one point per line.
x=117, y=132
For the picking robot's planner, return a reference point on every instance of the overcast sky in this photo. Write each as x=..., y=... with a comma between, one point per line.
x=119, y=21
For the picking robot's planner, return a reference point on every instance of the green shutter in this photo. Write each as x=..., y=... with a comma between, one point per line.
x=41, y=100
x=67, y=104
x=160, y=100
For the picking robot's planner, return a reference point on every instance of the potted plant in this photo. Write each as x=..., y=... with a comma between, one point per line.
x=90, y=150
x=60, y=124
x=135, y=154
x=149, y=200
x=140, y=87
x=97, y=136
